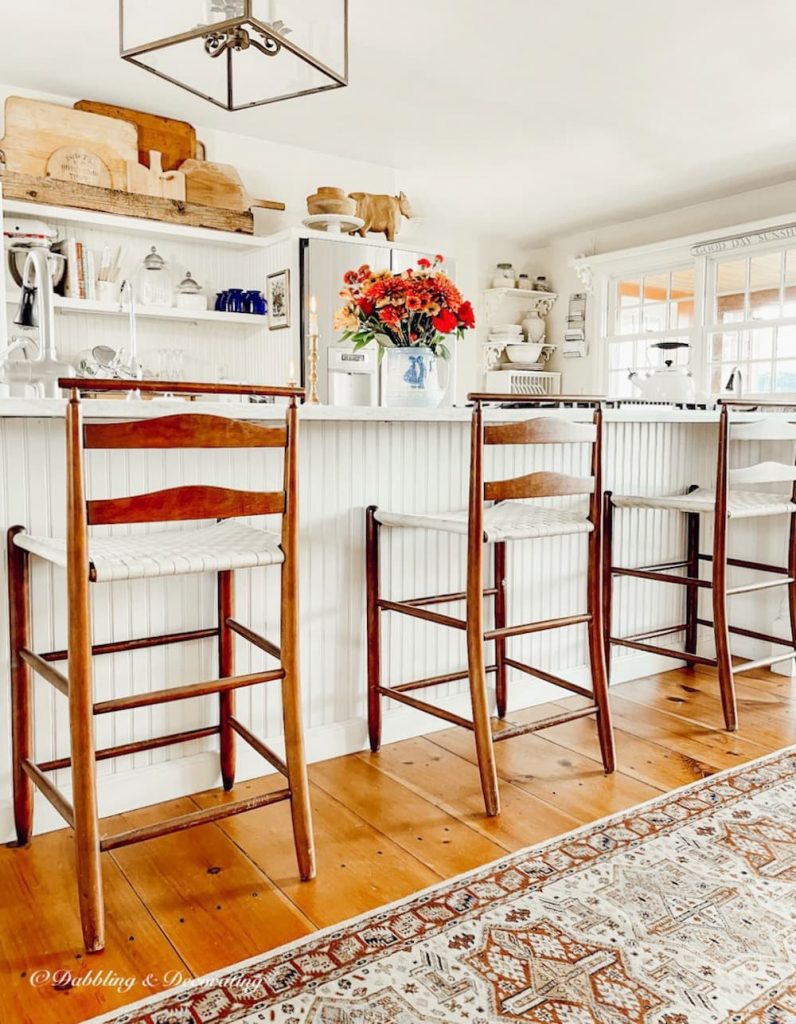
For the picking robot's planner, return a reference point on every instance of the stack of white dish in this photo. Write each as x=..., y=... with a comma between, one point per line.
x=510, y=333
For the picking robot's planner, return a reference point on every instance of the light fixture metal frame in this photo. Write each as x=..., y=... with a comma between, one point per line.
x=339, y=81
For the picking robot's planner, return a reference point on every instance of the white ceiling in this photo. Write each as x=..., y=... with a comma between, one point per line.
x=533, y=118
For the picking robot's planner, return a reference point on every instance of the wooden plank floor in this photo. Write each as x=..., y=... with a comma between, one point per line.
x=386, y=825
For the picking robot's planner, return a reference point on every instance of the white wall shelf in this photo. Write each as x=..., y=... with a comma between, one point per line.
x=543, y=302
x=88, y=306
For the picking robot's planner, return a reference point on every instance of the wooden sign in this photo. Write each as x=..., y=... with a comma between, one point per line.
x=71, y=163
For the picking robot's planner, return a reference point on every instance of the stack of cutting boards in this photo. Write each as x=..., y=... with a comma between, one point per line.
x=111, y=147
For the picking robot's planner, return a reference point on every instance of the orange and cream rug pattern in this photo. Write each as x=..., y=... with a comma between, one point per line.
x=680, y=911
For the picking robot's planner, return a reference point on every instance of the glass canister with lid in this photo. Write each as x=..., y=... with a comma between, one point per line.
x=504, y=276
x=190, y=294
x=154, y=281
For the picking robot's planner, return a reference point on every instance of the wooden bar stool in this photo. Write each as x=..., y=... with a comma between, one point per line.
x=727, y=501
x=507, y=520
x=220, y=547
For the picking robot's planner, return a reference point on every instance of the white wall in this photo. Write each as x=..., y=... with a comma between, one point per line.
x=580, y=375
x=289, y=174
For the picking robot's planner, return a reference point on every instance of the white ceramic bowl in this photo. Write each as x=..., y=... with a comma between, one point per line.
x=528, y=352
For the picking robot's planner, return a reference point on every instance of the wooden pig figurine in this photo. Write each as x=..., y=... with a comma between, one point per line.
x=381, y=213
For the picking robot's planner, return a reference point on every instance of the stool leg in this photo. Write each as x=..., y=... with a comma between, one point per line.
x=692, y=591
x=372, y=531
x=607, y=577
x=792, y=574
x=500, y=622
x=484, y=746
x=291, y=712
x=597, y=652
x=721, y=627
x=84, y=782
x=21, y=717
x=226, y=668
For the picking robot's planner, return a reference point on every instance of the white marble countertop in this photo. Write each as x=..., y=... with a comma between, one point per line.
x=41, y=408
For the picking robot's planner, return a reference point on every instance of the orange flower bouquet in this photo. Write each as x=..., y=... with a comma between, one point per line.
x=416, y=309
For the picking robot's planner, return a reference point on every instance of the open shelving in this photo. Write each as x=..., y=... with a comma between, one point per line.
x=89, y=306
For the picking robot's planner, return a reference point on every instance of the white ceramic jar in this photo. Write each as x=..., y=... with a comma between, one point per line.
x=534, y=326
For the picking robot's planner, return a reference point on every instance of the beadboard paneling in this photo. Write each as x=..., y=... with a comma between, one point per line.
x=344, y=466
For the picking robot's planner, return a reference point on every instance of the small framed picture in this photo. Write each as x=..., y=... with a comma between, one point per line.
x=278, y=295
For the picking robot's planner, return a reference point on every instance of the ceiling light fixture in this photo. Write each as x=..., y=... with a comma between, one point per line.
x=215, y=48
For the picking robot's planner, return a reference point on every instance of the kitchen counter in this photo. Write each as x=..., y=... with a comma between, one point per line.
x=349, y=458
x=135, y=409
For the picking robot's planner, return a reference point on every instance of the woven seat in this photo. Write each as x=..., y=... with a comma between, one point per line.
x=508, y=520
x=216, y=548
x=740, y=504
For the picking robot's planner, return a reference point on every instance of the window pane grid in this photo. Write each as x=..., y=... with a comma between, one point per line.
x=753, y=313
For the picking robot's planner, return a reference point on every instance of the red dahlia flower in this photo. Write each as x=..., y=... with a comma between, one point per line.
x=466, y=315
x=446, y=321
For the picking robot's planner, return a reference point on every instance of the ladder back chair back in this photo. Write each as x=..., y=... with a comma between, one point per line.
x=508, y=518
x=730, y=499
x=221, y=547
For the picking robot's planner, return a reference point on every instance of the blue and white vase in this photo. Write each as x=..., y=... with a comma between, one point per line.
x=412, y=378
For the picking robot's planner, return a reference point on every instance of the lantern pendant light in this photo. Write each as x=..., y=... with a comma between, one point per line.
x=239, y=53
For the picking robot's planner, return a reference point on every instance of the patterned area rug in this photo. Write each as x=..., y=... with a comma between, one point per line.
x=680, y=911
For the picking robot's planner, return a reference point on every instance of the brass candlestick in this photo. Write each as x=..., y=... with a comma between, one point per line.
x=312, y=371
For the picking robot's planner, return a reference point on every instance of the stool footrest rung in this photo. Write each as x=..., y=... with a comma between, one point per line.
x=125, y=646
x=200, y=817
x=548, y=677
x=421, y=705
x=521, y=729
x=45, y=670
x=420, y=602
x=137, y=747
x=53, y=794
x=749, y=588
x=143, y=700
x=773, y=659
x=743, y=563
x=662, y=577
x=255, y=639
x=447, y=677
x=257, y=744
x=666, y=652
x=421, y=613
x=536, y=627
x=753, y=634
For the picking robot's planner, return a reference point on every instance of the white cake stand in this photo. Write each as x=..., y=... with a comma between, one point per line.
x=334, y=223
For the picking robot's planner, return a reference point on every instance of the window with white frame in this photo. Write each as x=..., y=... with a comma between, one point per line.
x=643, y=311
x=733, y=302
x=750, y=318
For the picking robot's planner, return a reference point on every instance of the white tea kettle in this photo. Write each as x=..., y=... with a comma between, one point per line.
x=669, y=383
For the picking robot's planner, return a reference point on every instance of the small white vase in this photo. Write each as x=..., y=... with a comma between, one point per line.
x=412, y=378
x=534, y=326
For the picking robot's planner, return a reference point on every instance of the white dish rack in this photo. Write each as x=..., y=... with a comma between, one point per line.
x=523, y=382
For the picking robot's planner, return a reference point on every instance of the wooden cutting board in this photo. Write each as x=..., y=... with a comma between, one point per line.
x=174, y=140
x=220, y=185
x=34, y=131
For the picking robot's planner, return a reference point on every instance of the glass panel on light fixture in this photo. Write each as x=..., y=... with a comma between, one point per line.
x=256, y=76
x=187, y=64
x=149, y=21
x=318, y=27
